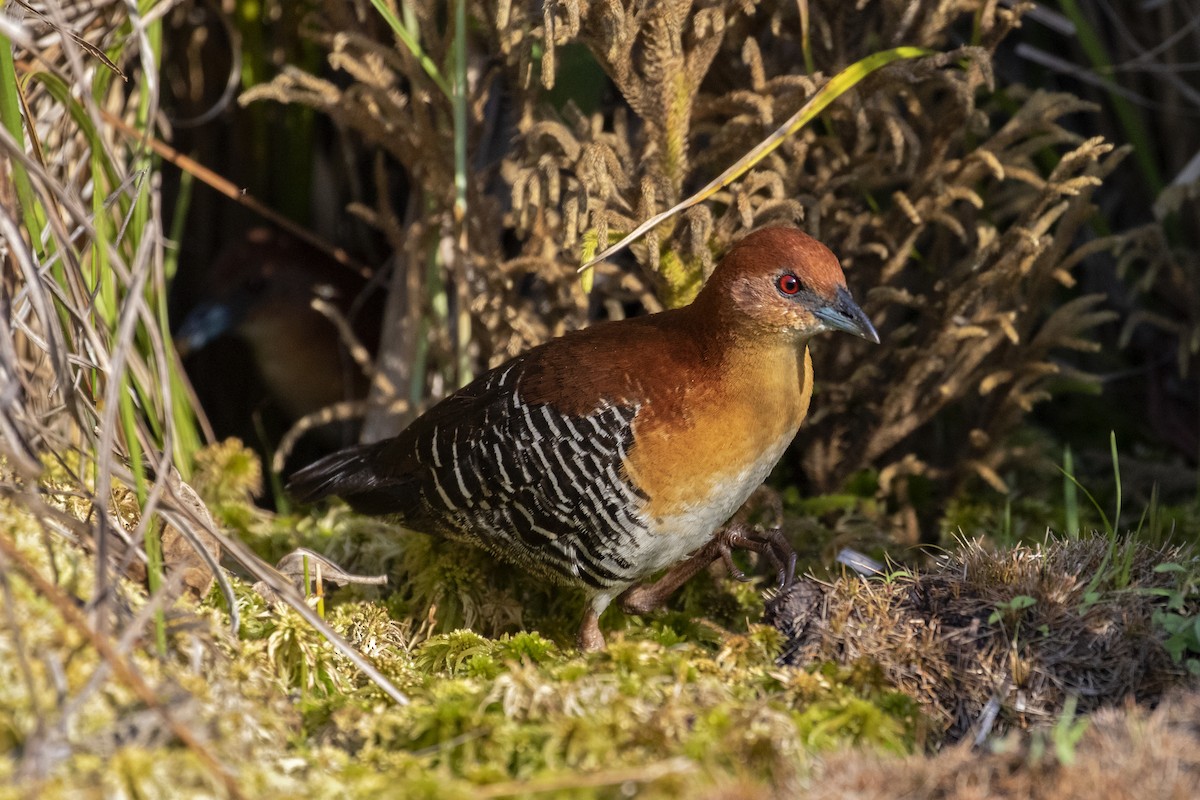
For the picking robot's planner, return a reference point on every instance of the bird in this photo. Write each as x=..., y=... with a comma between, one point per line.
x=605, y=456
x=262, y=290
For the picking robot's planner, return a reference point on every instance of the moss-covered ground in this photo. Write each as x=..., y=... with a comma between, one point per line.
x=889, y=679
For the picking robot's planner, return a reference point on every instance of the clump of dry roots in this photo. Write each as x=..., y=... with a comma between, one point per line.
x=990, y=641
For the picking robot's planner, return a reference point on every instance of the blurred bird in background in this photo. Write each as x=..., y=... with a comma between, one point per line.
x=269, y=340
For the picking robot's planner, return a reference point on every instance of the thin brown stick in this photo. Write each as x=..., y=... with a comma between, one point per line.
x=238, y=195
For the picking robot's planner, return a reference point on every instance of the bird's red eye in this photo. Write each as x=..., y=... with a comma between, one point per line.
x=788, y=284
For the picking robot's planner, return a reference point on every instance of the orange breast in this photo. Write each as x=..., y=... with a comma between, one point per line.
x=702, y=450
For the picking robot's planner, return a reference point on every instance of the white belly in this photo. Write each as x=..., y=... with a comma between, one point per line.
x=675, y=537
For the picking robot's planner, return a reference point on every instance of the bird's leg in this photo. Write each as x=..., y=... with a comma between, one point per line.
x=590, y=639
x=644, y=598
x=738, y=535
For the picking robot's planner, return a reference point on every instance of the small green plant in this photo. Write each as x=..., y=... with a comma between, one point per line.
x=1011, y=609
x=896, y=576
x=1063, y=738
x=1070, y=499
x=1180, y=620
x=1067, y=732
x=1114, y=571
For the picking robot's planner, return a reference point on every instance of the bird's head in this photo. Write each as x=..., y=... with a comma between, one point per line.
x=782, y=281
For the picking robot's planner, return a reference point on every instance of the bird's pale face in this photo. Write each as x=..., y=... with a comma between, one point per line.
x=262, y=288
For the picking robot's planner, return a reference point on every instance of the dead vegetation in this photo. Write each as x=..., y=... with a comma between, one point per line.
x=1117, y=753
x=990, y=641
x=954, y=204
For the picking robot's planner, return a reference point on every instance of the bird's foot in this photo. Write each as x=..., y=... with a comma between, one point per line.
x=771, y=543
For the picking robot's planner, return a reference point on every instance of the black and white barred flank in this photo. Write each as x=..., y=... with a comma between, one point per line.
x=528, y=483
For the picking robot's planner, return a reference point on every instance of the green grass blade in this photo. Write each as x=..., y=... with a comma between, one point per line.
x=407, y=38
x=459, y=103
x=837, y=86
x=11, y=118
x=806, y=38
x=1130, y=119
x=188, y=437
x=1070, y=495
x=1154, y=519
x=1112, y=441
x=460, y=110
x=60, y=91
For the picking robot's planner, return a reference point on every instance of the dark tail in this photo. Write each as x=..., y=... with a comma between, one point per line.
x=350, y=474
x=370, y=477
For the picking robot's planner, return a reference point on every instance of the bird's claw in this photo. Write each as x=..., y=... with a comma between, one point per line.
x=771, y=543
x=727, y=556
x=782, y=556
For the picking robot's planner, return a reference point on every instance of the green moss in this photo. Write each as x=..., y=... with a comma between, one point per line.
x=678, y=703
x=527, y=646
x=449, y=653
x=855, y=703
x=522, y=709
